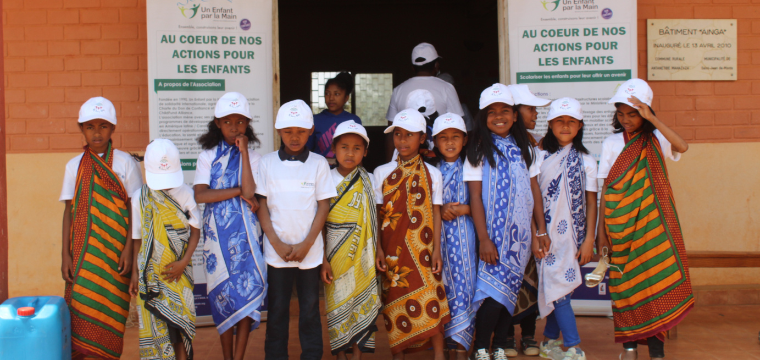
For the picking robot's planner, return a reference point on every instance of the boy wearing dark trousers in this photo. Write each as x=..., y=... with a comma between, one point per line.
x=294, y=190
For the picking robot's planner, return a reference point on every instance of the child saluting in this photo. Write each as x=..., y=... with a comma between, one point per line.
x=97, y=252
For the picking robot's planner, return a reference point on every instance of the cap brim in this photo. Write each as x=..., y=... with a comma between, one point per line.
x=438, y=131
x=293, y=123
x=165, y=180
x=536, y=102
x=494, y=101
x=574, y=116
x=90, y=118
x=335, y=136
x=226, y=113
x=426, y=61
x=620, y=99
x=389, y=129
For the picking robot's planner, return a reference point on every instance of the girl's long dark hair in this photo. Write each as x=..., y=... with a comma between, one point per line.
x=213, y=136
x=481, y=146
x=618, y=128
x=551, y=143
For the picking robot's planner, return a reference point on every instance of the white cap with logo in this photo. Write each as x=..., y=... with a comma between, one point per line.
x=424, y=53
x=421, y=99
x=449, y=121
x=565, y=106
x=409, y=120
x=522, y=96
x=294, y=114
x=351, y=127
x=232, y=103
x=97, y=108
x=496, y=93
x=163, y=169
x=634, y=87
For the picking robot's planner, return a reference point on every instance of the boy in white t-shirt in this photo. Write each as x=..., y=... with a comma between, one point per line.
x=96, y=188
x=294, y=188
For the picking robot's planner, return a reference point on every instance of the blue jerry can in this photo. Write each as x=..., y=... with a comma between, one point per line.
x=35, y=328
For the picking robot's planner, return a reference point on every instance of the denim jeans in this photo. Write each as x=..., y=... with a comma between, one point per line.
x=562, y=320
x=492, y=318
x=280, y=282
x=656, y=346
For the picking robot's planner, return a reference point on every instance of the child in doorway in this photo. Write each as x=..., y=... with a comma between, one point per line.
x=568, y=184
x=409, y=198
x=460, y=258
x=501, y=183
x=101, y=169
x=235, y=271
x=167, y=218
x=643, y=238
x=337, y=93
x=348, y=266
x=294, y=187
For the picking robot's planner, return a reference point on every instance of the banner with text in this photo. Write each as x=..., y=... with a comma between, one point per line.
x=576, y=48
x=197, y=51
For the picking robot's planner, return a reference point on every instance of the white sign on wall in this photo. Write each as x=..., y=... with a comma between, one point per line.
x=576, y=48
x=197, y=51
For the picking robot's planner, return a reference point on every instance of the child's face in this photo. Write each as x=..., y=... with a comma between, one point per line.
x=335, y=98
x=450, y=143
x=500, y=118
x=629, y=118
x=97, y=133
x=529, y=116
x=295, y=138
x=349, y=151
x=232, y=125
x=407, y=143
x=565, y=128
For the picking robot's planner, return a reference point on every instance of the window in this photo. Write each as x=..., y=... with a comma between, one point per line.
x=372, y=94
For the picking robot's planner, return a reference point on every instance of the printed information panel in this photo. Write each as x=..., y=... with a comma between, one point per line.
x=691, y=49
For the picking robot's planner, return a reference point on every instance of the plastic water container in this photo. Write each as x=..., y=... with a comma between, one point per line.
x=35, y=328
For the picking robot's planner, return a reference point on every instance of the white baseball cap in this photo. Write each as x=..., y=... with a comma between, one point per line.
x=424, y=53
x=232, y=103
x=97, y=108
x=294, y=114
x=421, y=98
x=163, y=169
x=351, y=127
x=496, y=93
x=449, y=121
x=565, y=106
x=634, y=87
x=522, y=96
x=409, y=120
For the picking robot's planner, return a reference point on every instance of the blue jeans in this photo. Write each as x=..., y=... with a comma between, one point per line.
x=562, y=319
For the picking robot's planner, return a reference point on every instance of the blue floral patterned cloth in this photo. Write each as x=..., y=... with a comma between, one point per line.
x=232, y=248
x=460, y=259
x=508, y=203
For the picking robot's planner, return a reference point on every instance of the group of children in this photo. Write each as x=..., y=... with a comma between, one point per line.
x=436, y=242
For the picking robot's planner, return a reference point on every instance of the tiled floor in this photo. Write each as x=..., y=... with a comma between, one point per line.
x=708, y=333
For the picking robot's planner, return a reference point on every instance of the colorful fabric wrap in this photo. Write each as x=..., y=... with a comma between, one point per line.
x=164, y=306
x=651, y=292
x=232, y=249
x=415, y=306
x=98, y=298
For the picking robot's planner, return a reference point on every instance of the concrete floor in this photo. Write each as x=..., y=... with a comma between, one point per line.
x=708, y=333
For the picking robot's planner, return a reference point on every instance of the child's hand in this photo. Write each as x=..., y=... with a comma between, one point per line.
x=133, y=287
x=299, y=252
x=603, y=242
x=67, y=268
x=282, y=249
x=241, y=141
x=488, y=252
x=437, y=262
x=449, y=212
x=326, y=272
x=535, y=247
x=586, y=252
x=643, y=109
x=546, y=244
x=380, y=261
x=173, y=271
x=253, y=204
x=125, y=261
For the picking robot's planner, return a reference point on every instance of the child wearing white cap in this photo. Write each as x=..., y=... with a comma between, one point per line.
x=641, y=141
x=501, y=177
x=348, y=266
x=568, y=185
x=99, y=169
x=224, y=181
x=337, y=93
x=525, y=108
x=409, y=198
x=459, y=254
x=294, y=188
x=167, y=218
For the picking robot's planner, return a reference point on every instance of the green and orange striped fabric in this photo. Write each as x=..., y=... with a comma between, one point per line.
x=651, y=292
x=98, y=298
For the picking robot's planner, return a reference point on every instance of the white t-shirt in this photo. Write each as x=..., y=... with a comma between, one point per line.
x=184, y=196
x=589, y=166
x=292, y=189
x=382, y=172
x=444, y=94
x=203, y=166
x=338, y=178
x=124, y=165
x=475, y=173
x=613, y=145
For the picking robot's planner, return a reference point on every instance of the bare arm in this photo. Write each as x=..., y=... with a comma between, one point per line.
x=67, y=263
x=437, y=260
x=586, y=252
x=601, y=230
x=247, y=185
x=379, y=253
x=204, y=195
x=487, y=251
x=282, y=249
x=677, y=143
x=538, y=216
x=302, y=249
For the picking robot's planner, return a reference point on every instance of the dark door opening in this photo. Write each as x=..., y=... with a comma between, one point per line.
x=377, y=37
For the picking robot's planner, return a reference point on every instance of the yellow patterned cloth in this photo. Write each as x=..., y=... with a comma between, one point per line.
x=167, y=309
